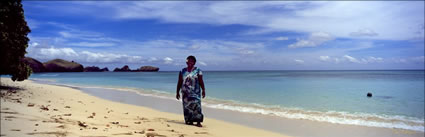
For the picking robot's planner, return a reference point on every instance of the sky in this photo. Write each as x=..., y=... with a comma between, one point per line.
x=230, y=35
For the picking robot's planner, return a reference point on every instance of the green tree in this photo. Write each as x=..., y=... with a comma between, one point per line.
x=13, y=40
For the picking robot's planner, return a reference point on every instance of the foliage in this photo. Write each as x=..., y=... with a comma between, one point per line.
x=13, y=40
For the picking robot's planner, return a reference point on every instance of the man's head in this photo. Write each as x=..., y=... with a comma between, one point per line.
x=191, y=60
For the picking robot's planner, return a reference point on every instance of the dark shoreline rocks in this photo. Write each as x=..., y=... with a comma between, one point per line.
x=141, y=69
x=35, y=65
x=147, y=69
x=95, y=69
x=123, y=69
x=60, y=65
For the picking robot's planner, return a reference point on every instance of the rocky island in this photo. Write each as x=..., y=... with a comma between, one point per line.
x=60, y=65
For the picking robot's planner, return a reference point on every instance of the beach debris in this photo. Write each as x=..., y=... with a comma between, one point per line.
x=61, y=126
x=93, y=114
x=369, y=94
x=201, y=132
x=126, y=113
x=82, y=124
x=67, y=114
x=30, y=105
x=150, y=129
x=55, y=109
x=36, y=124
x=67, y=107
x=129, y=133
x=105, y=117
x=90, y=117
x=141, y=132
x=137, y=122
x=115, y=122
x=168, y=125
x=151, y=134
x=95, y=128
x=15, y=130
x=44, y=108
x=122, y=125
x=81, y=102
x=181, y=135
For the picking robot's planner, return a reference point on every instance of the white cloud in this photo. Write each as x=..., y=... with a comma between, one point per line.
x=33, y=44
x=202, y=63
x=315, y=39
x=168, y=60
x=351, y=59
x=374, y=59
x=324, y=58
x=247, y=52
x=57, y=52
x=32, y=24
x=281, y=38
x=194, y=47
x=347, y=58
x=152, y=59
x=339, y=18
x=299, y=61
x=93, y=57
x=92, y=44
x=364, y=32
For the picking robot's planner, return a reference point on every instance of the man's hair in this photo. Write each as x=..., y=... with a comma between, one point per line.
x=191, y=57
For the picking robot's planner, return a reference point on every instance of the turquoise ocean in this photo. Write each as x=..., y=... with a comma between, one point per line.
x=325, y=96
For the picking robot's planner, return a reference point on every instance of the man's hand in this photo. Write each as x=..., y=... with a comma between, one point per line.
x=178, y=96
x=203, y=94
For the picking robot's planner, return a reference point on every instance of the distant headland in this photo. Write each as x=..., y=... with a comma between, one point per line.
x=60, y=65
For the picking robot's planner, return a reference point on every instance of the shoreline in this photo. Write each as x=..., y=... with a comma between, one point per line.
x=274, y=124
x=292, y=127
x=363, y=119
x=35, y=109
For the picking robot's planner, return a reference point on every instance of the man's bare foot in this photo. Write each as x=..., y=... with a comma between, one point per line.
x=199, y=124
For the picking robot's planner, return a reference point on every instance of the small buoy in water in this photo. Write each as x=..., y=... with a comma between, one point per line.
x=369, y=94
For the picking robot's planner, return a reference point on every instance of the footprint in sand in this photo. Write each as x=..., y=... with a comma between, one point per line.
x=141, y=132
x=201, y=132
x=129, y=133
x=30, y=105
x=153, y=134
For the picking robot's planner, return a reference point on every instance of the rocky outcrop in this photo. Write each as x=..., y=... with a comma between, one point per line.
x=147, y=68
x=60, y=65
x=141, y=69
x=369, y=94
x=104, y=69
x=35, y=65
x=95, y=69
x=123, y=69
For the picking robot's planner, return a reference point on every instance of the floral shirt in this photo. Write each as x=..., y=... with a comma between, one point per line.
x=190, y=87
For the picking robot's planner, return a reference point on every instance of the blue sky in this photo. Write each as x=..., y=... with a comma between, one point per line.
x=235, y=35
